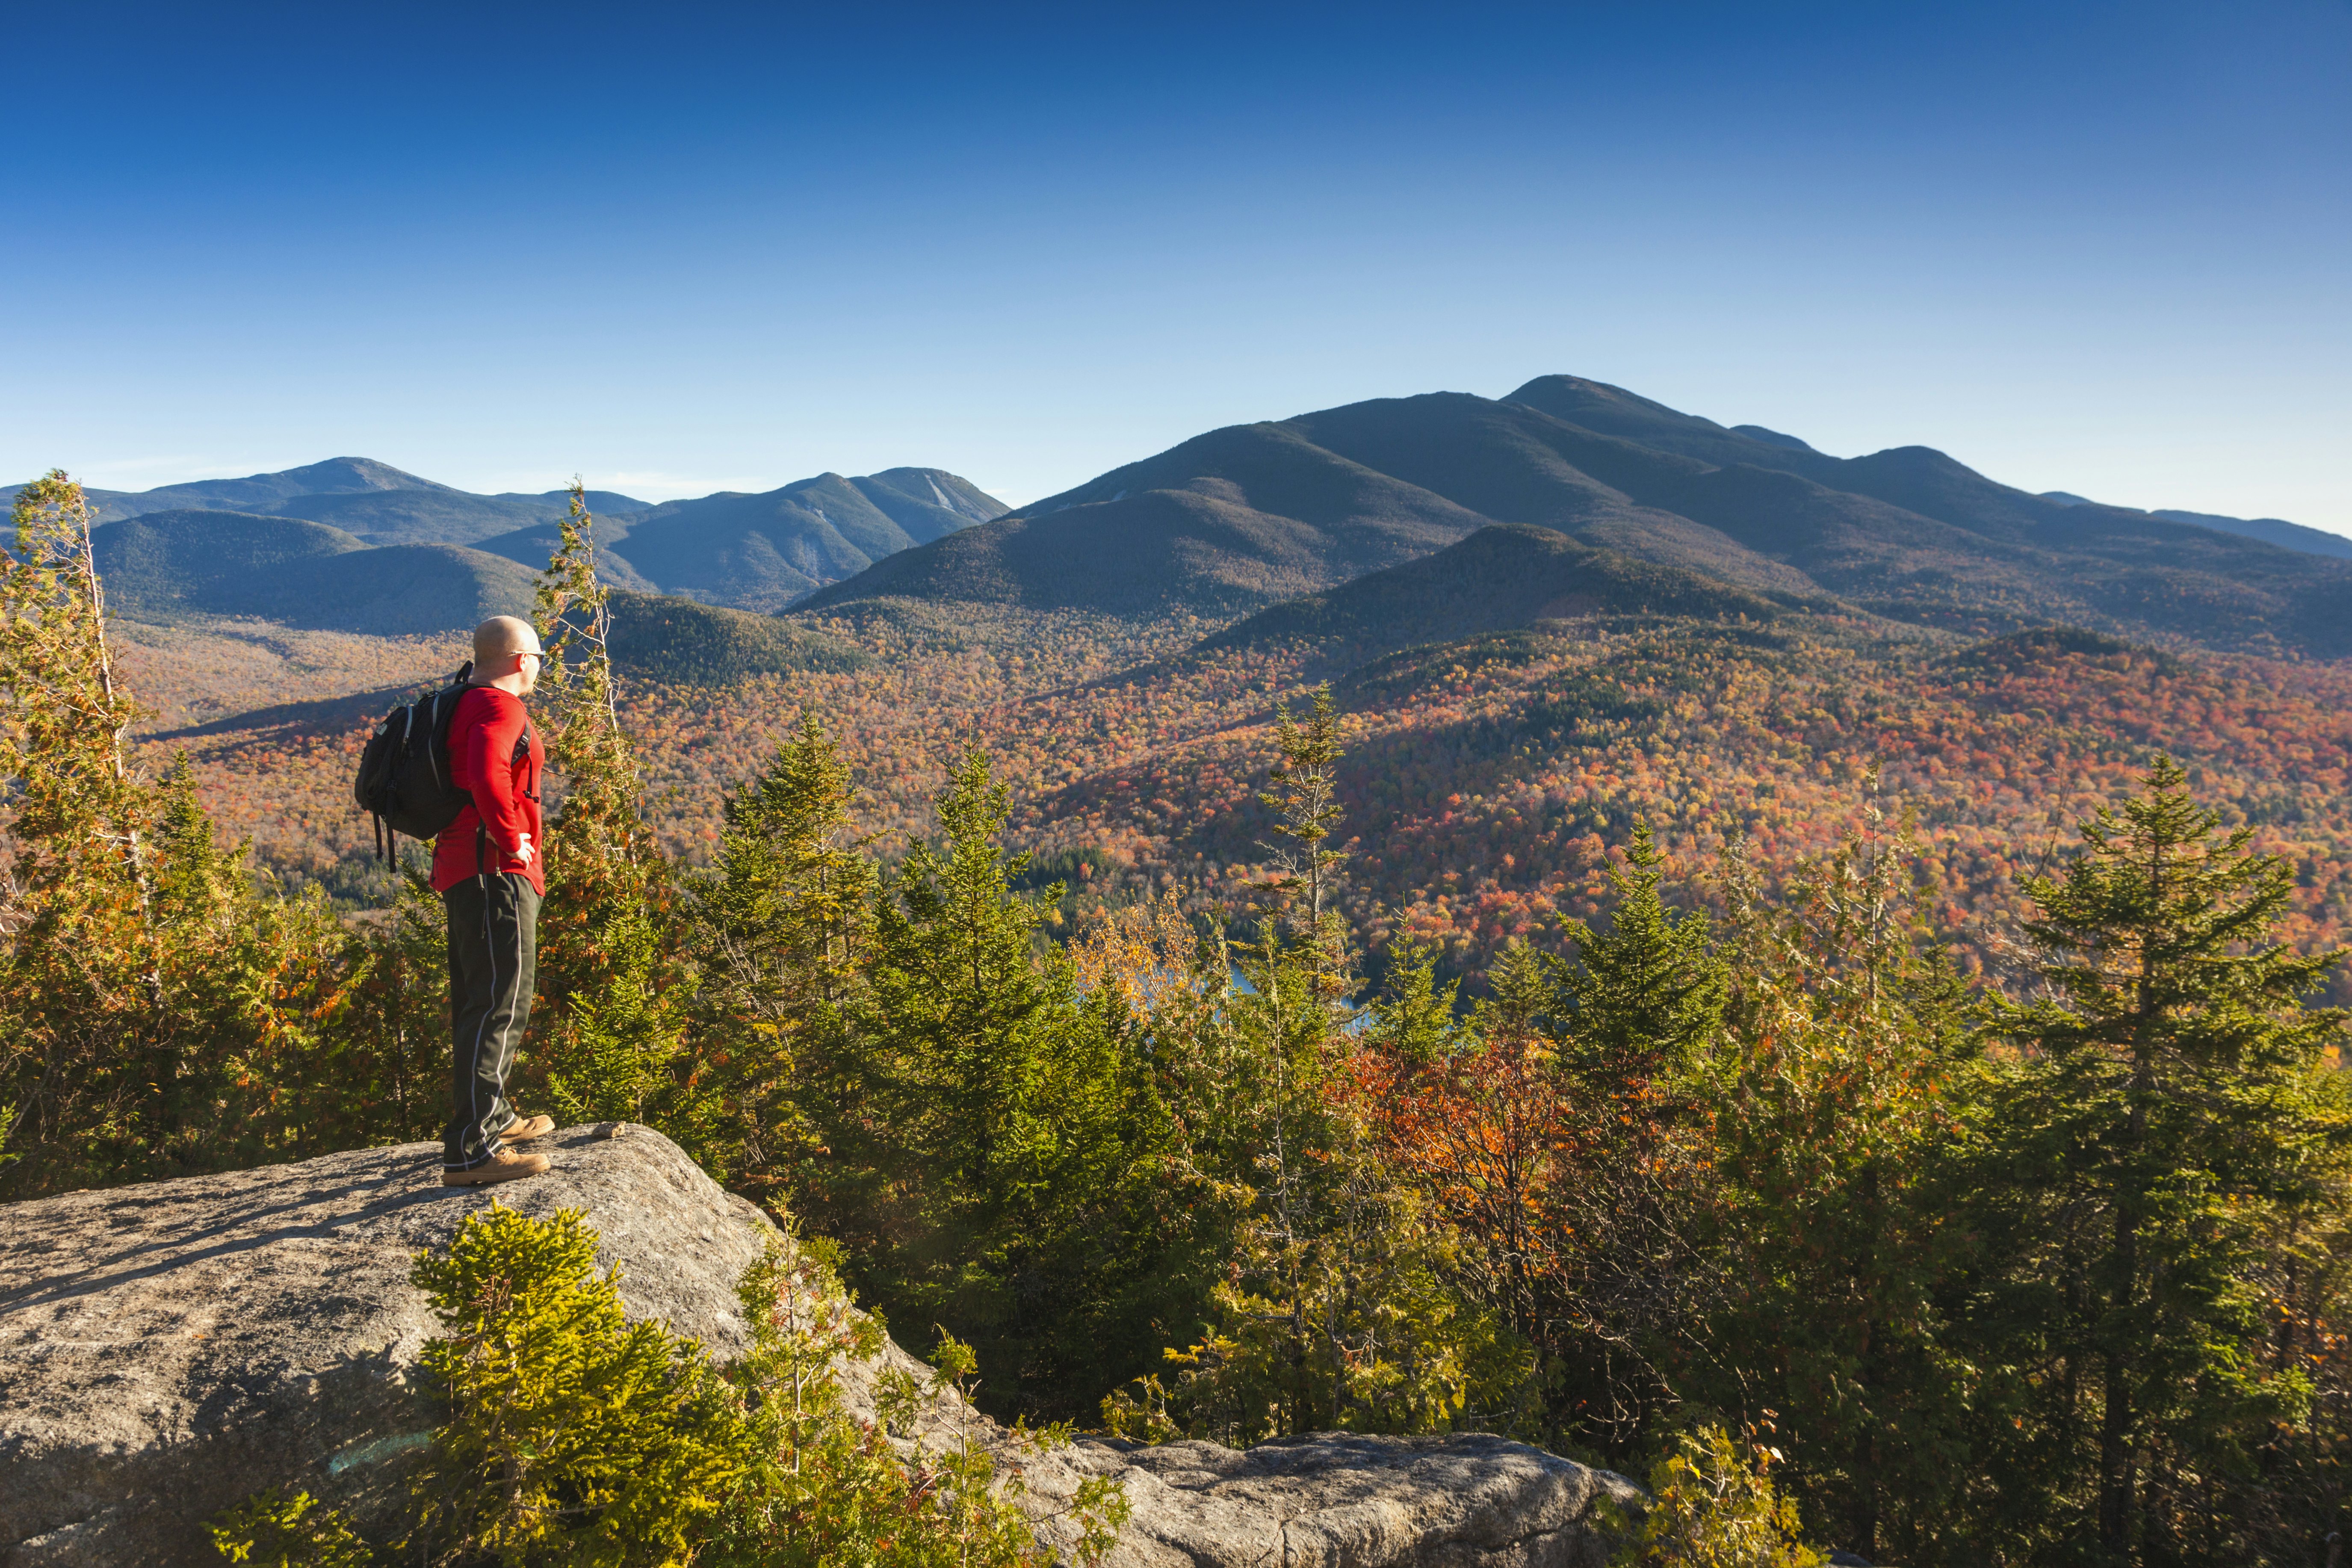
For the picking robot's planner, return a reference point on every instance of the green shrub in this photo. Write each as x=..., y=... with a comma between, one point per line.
x=575, y=1437
x=826, y=1489
x=276, y=1530
x=1712, y=1508
x=574, y=1434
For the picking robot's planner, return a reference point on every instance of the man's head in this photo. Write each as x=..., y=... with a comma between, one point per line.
x=506, y=655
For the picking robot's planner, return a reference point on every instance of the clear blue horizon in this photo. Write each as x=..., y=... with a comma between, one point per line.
x=2097, y=249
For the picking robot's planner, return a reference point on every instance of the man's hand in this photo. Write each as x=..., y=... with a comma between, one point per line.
x=522, y=850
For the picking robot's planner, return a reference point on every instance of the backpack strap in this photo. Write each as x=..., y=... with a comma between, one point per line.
x=522, y=753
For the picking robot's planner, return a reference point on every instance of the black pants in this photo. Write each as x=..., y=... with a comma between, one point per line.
x=493, y=962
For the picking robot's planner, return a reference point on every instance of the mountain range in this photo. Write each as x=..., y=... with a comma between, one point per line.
x=765, y=552
x=1240, y=519
x=1231, y=522
x=352, y=544
x=165, y=565
x=375, y=501
x=2275, y=530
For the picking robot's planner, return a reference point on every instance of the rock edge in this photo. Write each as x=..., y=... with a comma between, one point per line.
x=167, y=1349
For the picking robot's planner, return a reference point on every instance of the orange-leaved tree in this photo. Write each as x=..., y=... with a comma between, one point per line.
x=159, y=1014
x=83, y=1057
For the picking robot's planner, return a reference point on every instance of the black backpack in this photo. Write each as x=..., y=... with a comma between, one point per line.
x=404, y=779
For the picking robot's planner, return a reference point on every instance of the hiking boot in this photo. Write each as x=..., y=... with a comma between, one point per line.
x=526, y=1128
x=503, y=1166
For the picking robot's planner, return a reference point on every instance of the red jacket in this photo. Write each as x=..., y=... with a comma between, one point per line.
x=484, y=761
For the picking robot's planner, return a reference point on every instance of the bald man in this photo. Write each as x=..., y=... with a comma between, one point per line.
x=486, y=867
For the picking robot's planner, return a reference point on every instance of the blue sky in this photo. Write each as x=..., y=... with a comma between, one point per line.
x=2098, y=248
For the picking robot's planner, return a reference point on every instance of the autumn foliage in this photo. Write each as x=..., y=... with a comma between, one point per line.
x=1911, y=1056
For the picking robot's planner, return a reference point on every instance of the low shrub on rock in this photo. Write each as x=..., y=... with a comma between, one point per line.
x=575, y=1437
x=1713, y=1507
x=277, y=1530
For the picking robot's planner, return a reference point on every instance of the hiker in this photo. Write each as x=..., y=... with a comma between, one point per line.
x=487, y=869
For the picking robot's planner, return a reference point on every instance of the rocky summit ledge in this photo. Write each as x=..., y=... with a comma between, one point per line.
x=168, y=1350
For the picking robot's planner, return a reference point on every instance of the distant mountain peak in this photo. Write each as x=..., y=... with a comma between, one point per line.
x=340, y=476
x=1240, y=518
x=1545, y=391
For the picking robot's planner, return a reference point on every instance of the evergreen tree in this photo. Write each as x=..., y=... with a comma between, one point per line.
x=610, y=966
x=1828, y=1233
x=1636, y=1011
x=199, y=886
x=622, y=1052
x=782, y=935
x=1305, y=796
x=956, y=982
x=2169, y=1108
x=1332, y=1299
x=1415, y=1020
x=389, y=1076
x=995, y=1143
x=600, y=861
x=1644, y=998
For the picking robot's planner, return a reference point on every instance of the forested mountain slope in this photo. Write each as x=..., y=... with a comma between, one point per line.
x=1226, y=522
x=249, y=547
x=766, y=551
x=2270, y=530
x=162, y=566
x=1504, y=577
x=1244, y=516
x=165, y=564
x=682, y=643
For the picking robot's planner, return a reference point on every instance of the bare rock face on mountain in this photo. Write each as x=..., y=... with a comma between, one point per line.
x=168, y=1350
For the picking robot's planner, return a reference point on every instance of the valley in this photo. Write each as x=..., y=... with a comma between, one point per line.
x=1674, y=970
x=1530, y=649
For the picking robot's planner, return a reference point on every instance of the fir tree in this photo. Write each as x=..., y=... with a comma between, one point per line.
x=199, y=886
x=996, y=1138
x=392, y=1079
x=1415, y=1019
x=955, y=981
x=782, y=936
x=1827, y=1231
x=608, y=960
x=1643, y=998
x=1331, y=1300
x=2168, y=1109
x=1633, y=1011
x=621, y=1054
x=1305, y=797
